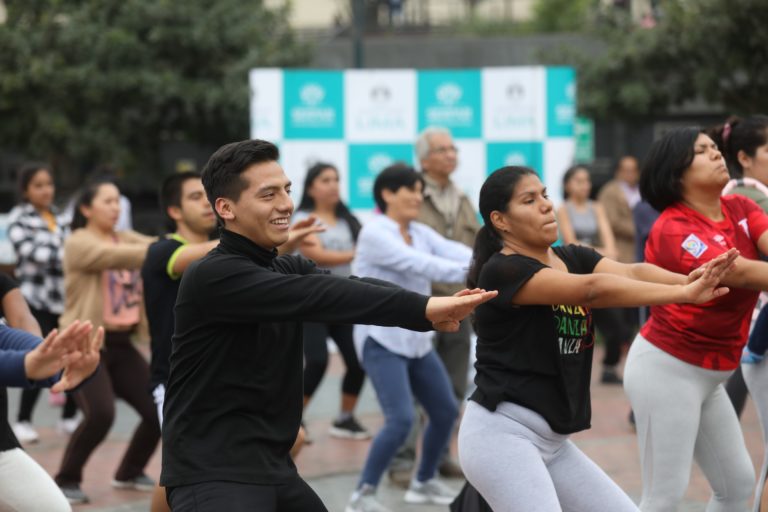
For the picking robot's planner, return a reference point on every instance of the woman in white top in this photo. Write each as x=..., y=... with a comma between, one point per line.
x=400, y=363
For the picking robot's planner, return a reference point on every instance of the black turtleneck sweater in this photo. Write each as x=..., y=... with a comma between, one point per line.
x=234, y=396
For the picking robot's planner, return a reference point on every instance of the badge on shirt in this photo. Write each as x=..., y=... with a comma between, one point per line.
x=694, y=245
x=720, y=239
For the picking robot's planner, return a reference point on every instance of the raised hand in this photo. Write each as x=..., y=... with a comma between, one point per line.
x=445, y=313
x=71, y=348
x=78, y=370
x=302, y=232
x=704, y=282
x=731, y=256
x=55, y=351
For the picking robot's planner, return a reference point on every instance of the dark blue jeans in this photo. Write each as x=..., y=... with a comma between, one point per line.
x=397, y=379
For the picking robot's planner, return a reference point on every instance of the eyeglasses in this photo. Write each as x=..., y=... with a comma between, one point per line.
x=441, y=150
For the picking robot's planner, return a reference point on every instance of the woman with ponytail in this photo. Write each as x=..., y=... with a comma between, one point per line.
x=744, y=143
x=534, y=349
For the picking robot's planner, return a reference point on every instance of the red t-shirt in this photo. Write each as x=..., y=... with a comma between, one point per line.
x=709, y=335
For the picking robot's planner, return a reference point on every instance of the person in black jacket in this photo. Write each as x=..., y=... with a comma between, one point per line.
x=234, y=395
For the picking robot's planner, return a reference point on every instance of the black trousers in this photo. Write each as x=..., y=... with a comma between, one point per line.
x=617, y=327
x=124, y=373
x=218, y=496
x=316, y=357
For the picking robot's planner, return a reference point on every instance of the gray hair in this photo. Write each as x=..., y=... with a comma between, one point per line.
x=422, y=141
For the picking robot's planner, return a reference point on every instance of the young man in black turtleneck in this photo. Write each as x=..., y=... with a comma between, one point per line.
x=234, y=396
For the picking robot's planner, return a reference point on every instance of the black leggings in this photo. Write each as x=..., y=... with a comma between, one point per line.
x=617, y=327
x=316, y=357
x=292, y=496
x=123, y=373
x=48, y=321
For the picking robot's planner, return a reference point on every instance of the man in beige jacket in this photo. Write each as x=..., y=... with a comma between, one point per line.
x=618, y=198
x=447, y=210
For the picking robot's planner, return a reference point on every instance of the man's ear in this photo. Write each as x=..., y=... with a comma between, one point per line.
x=224, y=208
x=174, y=212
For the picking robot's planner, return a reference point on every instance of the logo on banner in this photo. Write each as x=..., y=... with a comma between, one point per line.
x=313, y=104
x=516, y=158
x=515, y=92
x=527, y=154
x=380, y=114
x=312, y=94
x=694, y=246
x=565, y=112
x=312, y=113
x=561, y=101
x=380, y=94
x=365, y=163
x=516, y=112
x=448, y=111
x=448, y=94
x=378, y=161
x=451, y=99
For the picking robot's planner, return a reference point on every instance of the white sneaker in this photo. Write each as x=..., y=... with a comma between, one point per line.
x=431, y=491
x=364, y=500
x=25, y=432
x=68, y=425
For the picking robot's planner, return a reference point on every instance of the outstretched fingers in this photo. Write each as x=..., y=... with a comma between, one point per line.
x=97, y=341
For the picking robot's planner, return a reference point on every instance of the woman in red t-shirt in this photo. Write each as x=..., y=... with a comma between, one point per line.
x=677, y=365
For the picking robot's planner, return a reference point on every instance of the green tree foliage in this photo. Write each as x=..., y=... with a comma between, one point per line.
x=86, y=82
x=561, y=15
x=701, y=49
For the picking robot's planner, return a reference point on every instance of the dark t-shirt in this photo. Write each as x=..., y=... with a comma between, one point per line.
x=160, y=291
x=234, y=394
x=7, y=439
x=539, y=357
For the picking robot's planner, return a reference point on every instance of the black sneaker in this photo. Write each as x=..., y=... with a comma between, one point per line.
x=610, y=377
x=349, y=429
x=74, y=494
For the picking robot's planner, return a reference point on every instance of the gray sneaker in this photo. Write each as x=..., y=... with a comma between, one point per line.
x=138, y=483
x=364, y=500
x=431, y=491
x=74, y=494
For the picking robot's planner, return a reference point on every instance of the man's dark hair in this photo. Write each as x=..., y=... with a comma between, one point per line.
x=393, y=178
x=222, y=174
x=664, y=166
x=170, y=193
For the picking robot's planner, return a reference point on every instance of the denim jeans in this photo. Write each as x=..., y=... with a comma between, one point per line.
x=396, y=380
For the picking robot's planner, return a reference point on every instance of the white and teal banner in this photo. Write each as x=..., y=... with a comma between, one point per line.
x=363, y=120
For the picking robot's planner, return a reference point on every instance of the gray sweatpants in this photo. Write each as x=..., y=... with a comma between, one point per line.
x=518, y=464
x=756, y=378
x=683, y=413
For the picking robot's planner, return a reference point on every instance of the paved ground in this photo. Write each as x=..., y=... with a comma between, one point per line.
x=331, y=465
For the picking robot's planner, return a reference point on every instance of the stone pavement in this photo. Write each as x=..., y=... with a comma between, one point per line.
x=331, y=465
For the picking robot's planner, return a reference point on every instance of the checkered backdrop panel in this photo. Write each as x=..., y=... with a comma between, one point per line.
x=363, y=120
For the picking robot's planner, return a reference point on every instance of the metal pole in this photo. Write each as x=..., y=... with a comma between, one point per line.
x=358, y=27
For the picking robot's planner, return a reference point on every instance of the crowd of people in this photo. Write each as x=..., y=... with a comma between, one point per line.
x=246, y=312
